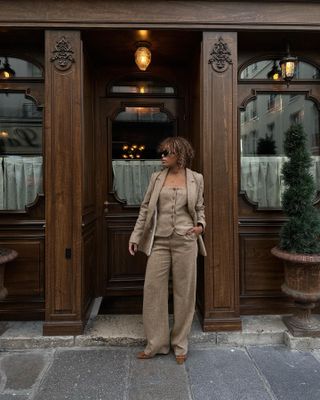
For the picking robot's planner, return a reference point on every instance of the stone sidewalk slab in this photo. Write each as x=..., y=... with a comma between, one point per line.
x=221, y=373
x=20, y=372
x=157, y=379
x=111, y=372
x=86, y=375
x=291, y=374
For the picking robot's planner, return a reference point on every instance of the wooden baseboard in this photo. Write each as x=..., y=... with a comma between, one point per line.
x=63, y=328
x=221, y=324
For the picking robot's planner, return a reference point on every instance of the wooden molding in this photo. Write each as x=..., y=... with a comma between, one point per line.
x=219, y=148
x=63, y=181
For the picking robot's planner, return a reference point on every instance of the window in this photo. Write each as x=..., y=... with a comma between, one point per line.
x=262, y=153
x=22, y=68
x=21, y=120
x=20, y=151
x=274, y=102
x=136, y=133
x=142, y=87
x=260, y=70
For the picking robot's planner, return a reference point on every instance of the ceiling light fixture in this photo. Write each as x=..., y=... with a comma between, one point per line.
x=142, y=55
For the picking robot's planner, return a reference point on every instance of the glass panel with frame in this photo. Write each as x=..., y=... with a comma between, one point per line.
x=260, y=70
x=143, y=87
x=263, y=123
x=21, y=68
x=21, y=171
x=136, y=133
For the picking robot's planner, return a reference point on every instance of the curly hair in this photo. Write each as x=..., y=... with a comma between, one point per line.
x=179, y=146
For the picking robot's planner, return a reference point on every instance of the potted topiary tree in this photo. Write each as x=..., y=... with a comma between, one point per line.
x=299, y=244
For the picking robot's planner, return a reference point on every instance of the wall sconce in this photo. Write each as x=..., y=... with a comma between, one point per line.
x=6, y=72
x=142, y=55
x=288, y=66
x=275, y=72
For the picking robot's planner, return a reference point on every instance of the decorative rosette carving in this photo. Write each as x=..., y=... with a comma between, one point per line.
x=62, y=54
x=220, y=56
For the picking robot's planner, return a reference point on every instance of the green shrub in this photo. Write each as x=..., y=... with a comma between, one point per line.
x=301, y=233
x=266, y=145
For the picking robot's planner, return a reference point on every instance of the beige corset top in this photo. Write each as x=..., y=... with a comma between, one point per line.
x=173, y=214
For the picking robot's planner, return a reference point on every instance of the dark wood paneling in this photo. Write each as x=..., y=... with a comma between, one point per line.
x=269, y=14
x=24, y=276
x=63, y=186
x=221, y=274
x=260, y=272
x=124, y=272
x=89, y=206
x=89, y=263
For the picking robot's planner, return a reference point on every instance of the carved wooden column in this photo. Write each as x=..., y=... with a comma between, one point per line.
x=219, y=149
x=63, y=182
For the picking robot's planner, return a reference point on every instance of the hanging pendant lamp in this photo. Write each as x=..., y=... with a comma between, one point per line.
x=142, y=55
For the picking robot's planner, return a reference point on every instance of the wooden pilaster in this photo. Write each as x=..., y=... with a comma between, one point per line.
x=63, y=182
x=219, y=149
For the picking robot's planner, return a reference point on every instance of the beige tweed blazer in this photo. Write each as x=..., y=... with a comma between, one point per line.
x=143, y=233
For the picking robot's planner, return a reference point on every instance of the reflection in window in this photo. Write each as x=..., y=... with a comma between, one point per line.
x=22, y=68
x=143, y=87
x=20, y=151
x=136, y=133
x=261, y=69
x=261, y=144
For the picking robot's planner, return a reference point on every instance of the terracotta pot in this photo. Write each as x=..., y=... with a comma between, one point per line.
x=302, y=283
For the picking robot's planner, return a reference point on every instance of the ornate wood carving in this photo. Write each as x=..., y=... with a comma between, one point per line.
x=62, y=54
x=220, y=56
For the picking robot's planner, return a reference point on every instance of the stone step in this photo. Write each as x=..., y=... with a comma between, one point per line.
x=127, y=330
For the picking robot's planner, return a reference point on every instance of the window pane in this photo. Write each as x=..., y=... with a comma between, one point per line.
x=261, y=143
x=22, y=68
x=136, y=133
x=142, y=87
x=260, y=70
x=142, y=114
x=20, y=151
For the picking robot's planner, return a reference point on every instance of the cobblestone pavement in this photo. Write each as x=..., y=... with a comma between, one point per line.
x=210, y=372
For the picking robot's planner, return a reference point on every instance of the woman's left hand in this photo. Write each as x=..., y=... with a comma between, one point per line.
x=196, y=229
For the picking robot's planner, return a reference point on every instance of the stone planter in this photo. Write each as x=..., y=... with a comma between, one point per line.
x=302, y=283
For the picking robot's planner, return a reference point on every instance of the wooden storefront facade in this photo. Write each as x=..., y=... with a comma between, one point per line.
x=72, y=239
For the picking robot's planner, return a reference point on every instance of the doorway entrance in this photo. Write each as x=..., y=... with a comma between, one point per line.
x=135, y=111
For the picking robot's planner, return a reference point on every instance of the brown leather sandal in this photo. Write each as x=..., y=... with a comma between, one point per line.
x=181, y=358
x=142, y=354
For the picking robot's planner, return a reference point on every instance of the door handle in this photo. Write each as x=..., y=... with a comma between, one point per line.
x=106, y=204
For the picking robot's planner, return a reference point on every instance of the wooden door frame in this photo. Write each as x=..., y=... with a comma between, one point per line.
x=104, y=131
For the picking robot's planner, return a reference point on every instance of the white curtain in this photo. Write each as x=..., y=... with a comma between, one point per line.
x=21, y=181
x=261, y=178
x=131, y=178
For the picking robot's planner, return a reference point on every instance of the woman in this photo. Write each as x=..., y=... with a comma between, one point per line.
x=168, y=230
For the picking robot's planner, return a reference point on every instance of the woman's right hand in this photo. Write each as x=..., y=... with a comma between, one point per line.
x=133, y=248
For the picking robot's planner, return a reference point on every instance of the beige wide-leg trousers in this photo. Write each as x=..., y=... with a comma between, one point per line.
x=180, y=253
